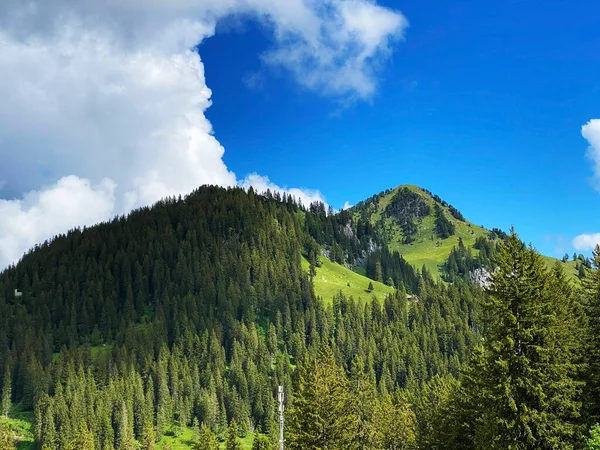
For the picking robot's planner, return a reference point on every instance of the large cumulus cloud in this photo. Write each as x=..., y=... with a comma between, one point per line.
x=104, y=102
x=591, y=132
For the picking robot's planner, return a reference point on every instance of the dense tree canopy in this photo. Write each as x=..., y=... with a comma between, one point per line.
x=195, y=310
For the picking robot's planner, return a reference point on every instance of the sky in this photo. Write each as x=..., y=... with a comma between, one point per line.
x=112, y=105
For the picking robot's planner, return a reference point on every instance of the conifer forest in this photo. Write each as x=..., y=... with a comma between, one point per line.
x=182, y=319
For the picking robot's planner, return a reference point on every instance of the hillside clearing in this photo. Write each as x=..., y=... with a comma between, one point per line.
x=332, y=278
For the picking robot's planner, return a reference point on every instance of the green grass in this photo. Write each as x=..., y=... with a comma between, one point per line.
x=332, y=277
x=246, y=442
x=21, y=424
x=184, y=441
x=427, y=249
x=95, y=351
x=568, y=267
x=104, y=350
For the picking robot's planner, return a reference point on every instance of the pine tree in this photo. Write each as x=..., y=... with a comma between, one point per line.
x=321, y=416
x=148, y=437
x=232, y=441
x=126, y=439
x=530, y=395
x=6, y=393
x=395, y=425
x=84, y=439
x=591, y=302
x=207, y=440
x=260, y=442
x=364, y=400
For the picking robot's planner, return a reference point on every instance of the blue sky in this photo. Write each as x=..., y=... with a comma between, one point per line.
x=109, y=106
x=482, y=103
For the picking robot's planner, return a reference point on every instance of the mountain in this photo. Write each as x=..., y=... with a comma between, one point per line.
x=418, y=224
x=424, y=229
x=194, y=310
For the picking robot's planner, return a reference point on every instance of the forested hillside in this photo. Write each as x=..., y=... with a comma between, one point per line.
x=418, y=224
x=175, y=325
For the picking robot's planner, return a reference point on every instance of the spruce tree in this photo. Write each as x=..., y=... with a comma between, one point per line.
x=433, y=405
x=364, y=400
x=395, y=425
x=84, y=439
x=591, y=303
x=195, y=429
x=529, y=393
x=154, y=284
x=6, y=393
x=232, y=441
x=260, y=442
x=593, y=441
x=466, y=408
x=126, y=439
x=148, y=437
x=322, y=414
x=207, y=440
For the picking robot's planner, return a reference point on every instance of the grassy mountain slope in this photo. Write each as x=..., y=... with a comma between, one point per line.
x=426, y=248
x=332, y=278
x=568, y=267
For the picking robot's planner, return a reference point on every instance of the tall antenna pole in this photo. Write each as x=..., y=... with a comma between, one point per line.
x=280, y=397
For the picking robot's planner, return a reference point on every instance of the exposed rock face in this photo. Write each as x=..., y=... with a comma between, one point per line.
x=365, y=254
x=481, y=277
x=348, y=231
x=372, y=246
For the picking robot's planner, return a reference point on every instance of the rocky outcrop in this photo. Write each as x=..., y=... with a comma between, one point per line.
x=481, y=277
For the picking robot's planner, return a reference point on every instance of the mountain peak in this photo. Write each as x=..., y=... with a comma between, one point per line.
x=418, y=224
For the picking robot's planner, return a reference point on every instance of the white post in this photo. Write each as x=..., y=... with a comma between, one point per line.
x=280, y=397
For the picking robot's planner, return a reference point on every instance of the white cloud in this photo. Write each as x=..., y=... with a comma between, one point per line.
x=591, y=131
x=107, y=98
x=340, y=52
x=586, y=241
x=261, y=184
x=70, y=203
x=347, y=205
x=82, y=105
